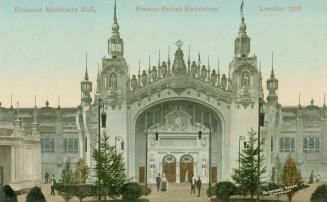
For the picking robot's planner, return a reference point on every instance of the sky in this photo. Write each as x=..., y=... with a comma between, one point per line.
x=43, y=53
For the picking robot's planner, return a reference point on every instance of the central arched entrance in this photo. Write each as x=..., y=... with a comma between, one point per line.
x=169, y=168
x=178, y=151
x=186, y=168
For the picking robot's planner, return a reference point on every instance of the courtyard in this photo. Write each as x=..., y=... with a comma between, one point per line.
x=176, y=193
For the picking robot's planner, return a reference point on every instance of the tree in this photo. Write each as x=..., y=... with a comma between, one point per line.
x=7, y=194
x=247, y=175
x=320, y=194
x=66, y=189
x=81, y=172
x=291, y=176
x=67, y=173
x=35, y=195
x=110, y=169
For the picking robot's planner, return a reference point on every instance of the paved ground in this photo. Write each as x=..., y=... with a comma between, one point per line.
x=175, y=193
x=178, y=193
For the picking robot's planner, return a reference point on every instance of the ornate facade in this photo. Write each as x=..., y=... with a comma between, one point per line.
x=166, y=105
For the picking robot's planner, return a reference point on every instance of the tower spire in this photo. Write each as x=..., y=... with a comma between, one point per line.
x=324, y=99
x=272, y=75
x=86, y=76
x=242, y=10
x=115, y=14
x=299, y=99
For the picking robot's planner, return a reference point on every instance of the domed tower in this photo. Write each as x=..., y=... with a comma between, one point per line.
x=272, y=86
x=86, y=88
x=245, y=89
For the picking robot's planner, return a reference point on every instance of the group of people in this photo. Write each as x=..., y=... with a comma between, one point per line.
x=162, y=183
x=196, y=183
x=313, y=176
x=53, y=182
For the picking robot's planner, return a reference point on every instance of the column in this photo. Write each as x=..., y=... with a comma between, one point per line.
x=177, y=172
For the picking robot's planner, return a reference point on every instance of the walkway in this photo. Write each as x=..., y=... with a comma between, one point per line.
x=177, y=193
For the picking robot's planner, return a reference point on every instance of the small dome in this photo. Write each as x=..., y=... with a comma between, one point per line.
x=115, y=27
x=242, y=26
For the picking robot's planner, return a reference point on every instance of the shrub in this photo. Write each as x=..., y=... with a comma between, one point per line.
x=82, y=191
x=148, y=190
x=224, y=190
x=65, y=190
x=35, y=195
x=320, y=194
x=131, y=192
x=7, y=194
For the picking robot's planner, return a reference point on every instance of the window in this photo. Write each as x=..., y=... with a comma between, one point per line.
x=47, y=145
x=311, y=144
x=287, y=144
x=70, y=145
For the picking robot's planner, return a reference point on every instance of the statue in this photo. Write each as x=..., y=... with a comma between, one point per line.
x=186, y=176
x=113, y=81
x=245, y=79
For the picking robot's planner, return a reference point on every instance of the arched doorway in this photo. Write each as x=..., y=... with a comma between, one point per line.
x=169, y=167
x=186, y=168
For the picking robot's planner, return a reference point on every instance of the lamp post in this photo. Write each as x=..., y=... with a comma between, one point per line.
x=119, y=138
x=240, y=138
x=102, y=116
x=261, y=117
x=146, y=154
x=200, y=134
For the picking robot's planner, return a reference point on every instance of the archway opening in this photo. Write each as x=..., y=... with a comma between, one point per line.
x=186, y=168
x=169, y=168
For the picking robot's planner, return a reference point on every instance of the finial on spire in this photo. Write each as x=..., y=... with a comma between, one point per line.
x=324, y=99
x=159, y=59
x=139, y=66
x=208, y=62
x=115, y=15
x=149, y=62
x=11, y=101
x=299, y=99
x=58, y=100
x=199, y=58
x=35, y=101
x=86, y=76
x=272, y=75
x=242, y=10
x=218, y=70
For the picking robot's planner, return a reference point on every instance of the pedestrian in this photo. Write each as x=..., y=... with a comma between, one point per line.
x=193, y=182
x=46, y=177
x=158, y=180
x=311, y=177
x=164, y=183
x=53, y=184
x=198, y=185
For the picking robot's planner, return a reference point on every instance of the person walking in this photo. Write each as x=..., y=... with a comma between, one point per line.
x=46, y=178
x=198, y=185
x=158, y=180
x=53, y=184
x=164, y=183
x=193, y=182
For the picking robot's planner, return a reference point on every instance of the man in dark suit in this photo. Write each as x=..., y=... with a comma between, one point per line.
x=53, y=184
x=198, y=185
x=158, y=180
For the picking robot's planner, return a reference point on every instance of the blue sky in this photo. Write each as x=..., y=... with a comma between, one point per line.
x=44, y=53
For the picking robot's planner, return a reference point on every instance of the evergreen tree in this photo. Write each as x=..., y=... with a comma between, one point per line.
x=81, y=172
x=291, y=175
x=67, y=176
x=247, y=175
x=110, y=168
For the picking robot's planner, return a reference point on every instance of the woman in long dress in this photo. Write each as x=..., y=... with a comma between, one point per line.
x=164, y=183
